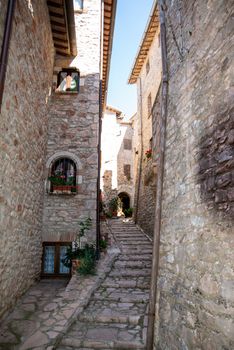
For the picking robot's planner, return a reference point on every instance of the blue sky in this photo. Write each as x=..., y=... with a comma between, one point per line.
x=130, y=22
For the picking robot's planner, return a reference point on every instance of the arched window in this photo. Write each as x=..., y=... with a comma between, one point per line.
x=68, y=80
x=63, y=176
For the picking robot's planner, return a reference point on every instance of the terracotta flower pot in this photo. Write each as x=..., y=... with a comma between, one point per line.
x=75, y=265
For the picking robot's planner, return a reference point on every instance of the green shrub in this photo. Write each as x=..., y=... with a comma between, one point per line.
x=87, y=262
x=103, y=244
x=128, y=212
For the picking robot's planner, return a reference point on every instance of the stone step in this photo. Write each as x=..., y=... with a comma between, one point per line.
x=134, y=257
x=135, y=242
x=132, y=251
x=92, y=317
x=140, y=282
x=134, y=246
x=105, y=308
x=113, y=335
x=132, y=264
x=126, y=295
x=78, y=344
x=130, y=272
x=129, y=233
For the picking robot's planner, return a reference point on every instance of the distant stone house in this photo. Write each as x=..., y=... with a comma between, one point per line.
x=146, y=73
x=193, y=261
x=117, y=160
x=50, y=117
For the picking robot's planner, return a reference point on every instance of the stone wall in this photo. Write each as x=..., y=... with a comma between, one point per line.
x=23, y=137
x=145, y=179
x=73, y=132
x=117, y=151
x=196, y=256
x=125, y=157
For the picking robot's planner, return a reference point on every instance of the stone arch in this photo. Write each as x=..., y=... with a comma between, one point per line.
x=64, y=154
x=125, y=199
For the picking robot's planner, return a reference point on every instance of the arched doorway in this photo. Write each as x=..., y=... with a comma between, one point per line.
x=125, y=201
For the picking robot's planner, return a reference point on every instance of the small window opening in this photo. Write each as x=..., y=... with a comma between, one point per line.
x=63, y=176
x=68, y=80
x=151, y=143
x=127, y=144
x=149, y=105
x=127, y=171
x=147, y=67
x=159, y=40
x=78, y=5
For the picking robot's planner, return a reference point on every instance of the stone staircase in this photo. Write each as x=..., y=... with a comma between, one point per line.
x=116, y=316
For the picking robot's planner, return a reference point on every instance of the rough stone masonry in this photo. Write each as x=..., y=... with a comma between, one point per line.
x=23, y=135
x=196, y=300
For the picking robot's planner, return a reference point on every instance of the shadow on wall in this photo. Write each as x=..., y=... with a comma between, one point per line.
x=216, y=165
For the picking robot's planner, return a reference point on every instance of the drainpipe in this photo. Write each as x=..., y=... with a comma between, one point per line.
x=5, y=46
x=98, y=232
x=158, y=209
x=141, y=158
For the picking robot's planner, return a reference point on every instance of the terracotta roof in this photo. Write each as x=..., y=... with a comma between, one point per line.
x=61, y=14
x=112, y=109
x=108, y=30
x=148, y=37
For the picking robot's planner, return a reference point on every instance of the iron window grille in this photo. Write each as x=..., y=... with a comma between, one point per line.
x=63, y=176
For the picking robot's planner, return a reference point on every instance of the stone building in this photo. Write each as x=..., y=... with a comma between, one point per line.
x=117, y=159
x=146, y=73
x=194, y=307
x=50, y=117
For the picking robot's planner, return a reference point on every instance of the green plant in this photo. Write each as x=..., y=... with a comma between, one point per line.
x=109, y=214
x=70, y=255
x=83, y=227
x=60, y=180
x=77, y=252
x=103, y=244
x=128, y=212
x=87, y=262
x=113, y=204
x=148, y=153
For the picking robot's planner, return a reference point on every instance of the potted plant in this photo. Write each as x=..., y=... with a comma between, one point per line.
x=128, y=212
x=113, y=205
x=103, y=244
x=74, y=254
x=148, y=153
x=87, y=261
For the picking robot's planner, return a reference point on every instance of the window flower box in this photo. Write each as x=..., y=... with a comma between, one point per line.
x=64, y=189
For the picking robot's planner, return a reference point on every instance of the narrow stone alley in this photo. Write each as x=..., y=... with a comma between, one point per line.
x=116, y=316
x=107, y=310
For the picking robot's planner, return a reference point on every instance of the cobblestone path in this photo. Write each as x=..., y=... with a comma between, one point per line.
x=116, y=316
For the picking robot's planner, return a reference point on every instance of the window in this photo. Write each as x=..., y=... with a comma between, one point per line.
x=127, y=144
x=127, y=171
x=147, y=67
x=53, y=254
x=151, y=143
x=68, y=80
x=149, y=101
x=63, y=176
x=78, y=5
